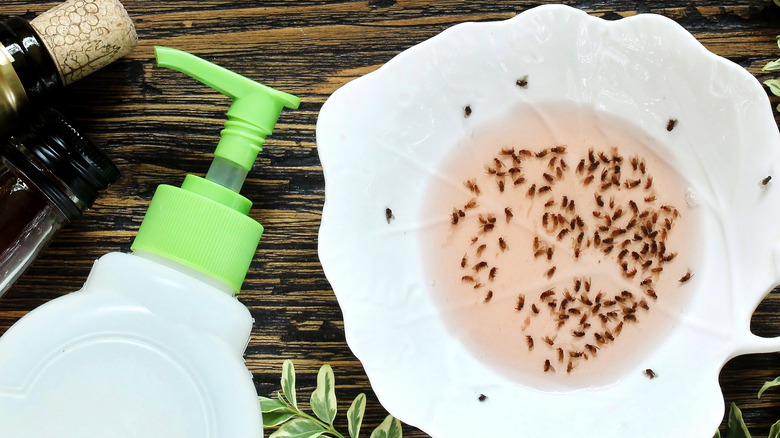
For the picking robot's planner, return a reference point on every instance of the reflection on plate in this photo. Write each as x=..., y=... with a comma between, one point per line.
x=608, y=260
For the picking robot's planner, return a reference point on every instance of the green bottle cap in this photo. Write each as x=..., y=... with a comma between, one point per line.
x=204, y=224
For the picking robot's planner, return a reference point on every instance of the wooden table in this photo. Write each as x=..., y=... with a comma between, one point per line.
x=159, y=126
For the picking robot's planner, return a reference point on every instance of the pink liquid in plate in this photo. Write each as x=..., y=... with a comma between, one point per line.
x=560, y=275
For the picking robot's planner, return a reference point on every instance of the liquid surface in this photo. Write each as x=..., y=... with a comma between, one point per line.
x=559, y=245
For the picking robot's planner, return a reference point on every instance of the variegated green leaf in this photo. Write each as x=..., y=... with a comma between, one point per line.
x=717, y=434
x=355, y=415
x=774, y=431
x=299, y=428
x=275, y=418
x=768, y=385
x=275, y=412
x=323, y=399
x=772, y=65
x=390, y=428
x=288, y=382
x=271, y=405
x=774, y=86
x=736, y=424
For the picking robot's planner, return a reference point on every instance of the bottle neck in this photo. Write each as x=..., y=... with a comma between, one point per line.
x=63, y=164
x=20, y=161
x=186, y=270
x=149, y=283
x=32, y=62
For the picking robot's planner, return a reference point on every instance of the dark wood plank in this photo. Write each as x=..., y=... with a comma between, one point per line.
x=159, y=126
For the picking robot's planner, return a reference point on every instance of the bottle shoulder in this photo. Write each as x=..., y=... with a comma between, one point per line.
x=171, y=295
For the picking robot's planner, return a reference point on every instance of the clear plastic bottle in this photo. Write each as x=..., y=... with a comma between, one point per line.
x=49, y=174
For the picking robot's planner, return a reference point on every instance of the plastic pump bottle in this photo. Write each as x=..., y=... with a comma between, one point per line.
x=152, y=345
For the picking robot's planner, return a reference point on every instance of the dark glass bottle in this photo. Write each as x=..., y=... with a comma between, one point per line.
x=49, y=174
x=31, y=61
x=57, y=48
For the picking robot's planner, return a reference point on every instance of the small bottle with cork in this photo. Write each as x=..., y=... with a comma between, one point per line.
x=55, y=49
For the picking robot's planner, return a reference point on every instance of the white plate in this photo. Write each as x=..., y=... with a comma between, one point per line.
x=384, y=138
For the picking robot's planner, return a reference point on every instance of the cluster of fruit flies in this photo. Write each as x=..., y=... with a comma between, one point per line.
x=633, y=233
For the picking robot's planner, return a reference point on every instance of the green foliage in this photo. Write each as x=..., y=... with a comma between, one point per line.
x=768, y=385
x=299, y=428
x=774, y=84
x=323, y=399
x=294, y=423
x=288, y=383
x=774, y=431
x=275, y=412
x=355, y=415
x=390, y=428
x=736, y=424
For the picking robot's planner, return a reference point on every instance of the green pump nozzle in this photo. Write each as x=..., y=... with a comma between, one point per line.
x=204, y=224
x=251, y=117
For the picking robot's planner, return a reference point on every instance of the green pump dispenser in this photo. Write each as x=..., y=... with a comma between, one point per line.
x=204, y=224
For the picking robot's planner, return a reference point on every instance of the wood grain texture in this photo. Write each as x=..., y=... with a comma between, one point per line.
x=159, y=126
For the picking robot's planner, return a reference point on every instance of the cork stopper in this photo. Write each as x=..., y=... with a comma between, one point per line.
x=84, y=36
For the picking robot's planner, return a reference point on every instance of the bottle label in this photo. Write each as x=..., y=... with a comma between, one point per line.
x=13, y=98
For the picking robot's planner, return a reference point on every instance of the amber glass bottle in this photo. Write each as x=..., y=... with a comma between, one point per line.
x=49, y=174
